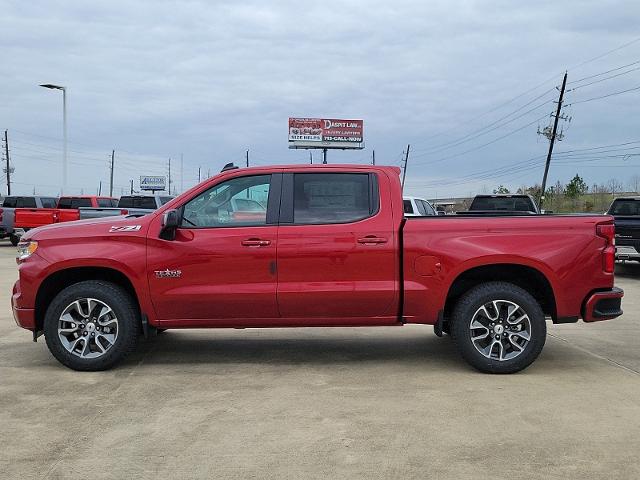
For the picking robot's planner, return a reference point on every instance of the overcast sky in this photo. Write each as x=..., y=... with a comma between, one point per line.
x=209, y=80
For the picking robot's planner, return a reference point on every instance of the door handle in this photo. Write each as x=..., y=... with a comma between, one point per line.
x=372, y=240
x=255, y=242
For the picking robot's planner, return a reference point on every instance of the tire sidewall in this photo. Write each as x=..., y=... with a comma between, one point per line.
x=482, y=294
x=113, y=296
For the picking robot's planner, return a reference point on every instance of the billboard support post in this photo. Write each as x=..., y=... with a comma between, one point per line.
x=324, y=156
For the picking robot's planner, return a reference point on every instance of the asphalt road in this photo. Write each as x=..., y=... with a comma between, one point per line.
x=324, y=403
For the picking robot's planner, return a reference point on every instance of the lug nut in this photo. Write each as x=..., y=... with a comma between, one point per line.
x=84, y=334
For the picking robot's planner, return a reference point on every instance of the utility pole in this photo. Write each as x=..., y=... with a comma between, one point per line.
x=404, y=170
x=113, y=153
x=100, y=188
x=324, y=156
x=169, y=176
x=198, y=174
x=8, y=167
x=311, y=157
x=131, y=182
x=552, y=140
x=373, y=157
x=181, y=174
x=247, y=153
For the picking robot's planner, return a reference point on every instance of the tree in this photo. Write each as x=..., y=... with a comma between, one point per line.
x=634, y=183
x=501, y=189
x=576, y=187
x=615, y=186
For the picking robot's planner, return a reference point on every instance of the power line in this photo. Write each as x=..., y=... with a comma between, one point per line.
x=605, y=96
x=604, y=73
x=598, y=57
x=604, y=79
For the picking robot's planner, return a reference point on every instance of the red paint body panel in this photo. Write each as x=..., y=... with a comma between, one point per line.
x=315, y=275
x=28, y=218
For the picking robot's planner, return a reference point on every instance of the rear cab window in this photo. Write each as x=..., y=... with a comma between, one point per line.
x=623, y=207
x=26, y=202
x=48, y=202
x=10, y=202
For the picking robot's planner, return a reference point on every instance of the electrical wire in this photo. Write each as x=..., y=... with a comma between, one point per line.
x=604, y=96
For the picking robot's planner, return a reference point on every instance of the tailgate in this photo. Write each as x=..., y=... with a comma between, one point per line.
x=34, y=217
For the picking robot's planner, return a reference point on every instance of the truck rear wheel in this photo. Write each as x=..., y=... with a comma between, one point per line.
x=498, y=328
x=14, y=239
x=91, y=325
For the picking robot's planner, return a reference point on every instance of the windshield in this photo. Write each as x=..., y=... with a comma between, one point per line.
x=625, y=207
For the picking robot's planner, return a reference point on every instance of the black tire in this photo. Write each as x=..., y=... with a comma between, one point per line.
x=124, y=308
x=14, y=239
x=472, y=302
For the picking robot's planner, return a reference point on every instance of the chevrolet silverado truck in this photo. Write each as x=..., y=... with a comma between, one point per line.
x=136, y=205
x=66, y=210
x=7, y=213
x=626, y=215
x=331, y=248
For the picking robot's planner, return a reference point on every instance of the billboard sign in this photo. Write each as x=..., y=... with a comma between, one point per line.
x=326, y=133
x=153, y=183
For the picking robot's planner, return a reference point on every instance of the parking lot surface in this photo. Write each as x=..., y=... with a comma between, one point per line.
x=324, y=403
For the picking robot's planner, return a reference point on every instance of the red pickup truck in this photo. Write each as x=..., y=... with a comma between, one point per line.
x=66, y=210
x=331, y=247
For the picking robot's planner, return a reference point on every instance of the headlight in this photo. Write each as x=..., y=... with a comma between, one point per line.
x=25, y=250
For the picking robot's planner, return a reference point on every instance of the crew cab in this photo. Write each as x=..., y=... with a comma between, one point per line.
x=332, y=247
x=626, y=214
x=67, y=209
x=502, y=204
x=7, y=213
x=127, y=205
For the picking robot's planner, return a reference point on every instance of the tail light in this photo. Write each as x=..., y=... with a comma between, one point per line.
x=0, y=214
x=608, y=232
x=124, y=211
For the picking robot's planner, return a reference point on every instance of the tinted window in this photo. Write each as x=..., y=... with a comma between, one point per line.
x=80, y=202
x=238, y=202
x=427, y=208
x=125, y=202
x=164, y=200
x=105, y=203
x=26, y=202
x=9, y=202
x=421, y=209
x=408, y=208
x=625, y=207
x=513, y=204
x=48, y=202
x=64, y=203
x=330, y=197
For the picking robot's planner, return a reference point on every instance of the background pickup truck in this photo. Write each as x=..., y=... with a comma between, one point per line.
x=330, y=246
x=626, y=214
x=135, y=205
x=506, y=204
x=7, y=213
x=67, y=209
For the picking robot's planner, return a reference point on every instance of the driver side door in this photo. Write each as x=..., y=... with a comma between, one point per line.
x=221, y=265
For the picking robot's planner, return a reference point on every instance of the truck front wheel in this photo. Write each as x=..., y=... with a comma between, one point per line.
x=498, y=328
x=91, y=325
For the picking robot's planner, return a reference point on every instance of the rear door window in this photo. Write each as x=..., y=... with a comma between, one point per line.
x=325, y=198
x=26, y=202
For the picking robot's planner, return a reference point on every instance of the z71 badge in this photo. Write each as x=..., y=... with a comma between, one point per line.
x=125, y=228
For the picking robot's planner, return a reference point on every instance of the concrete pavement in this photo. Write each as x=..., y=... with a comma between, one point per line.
x=323, y=403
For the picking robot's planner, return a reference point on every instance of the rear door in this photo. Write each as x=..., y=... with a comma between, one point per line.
x=337, y=249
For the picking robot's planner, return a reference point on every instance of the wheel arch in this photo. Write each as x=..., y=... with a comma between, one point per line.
x=526, y=277
x=57, y=281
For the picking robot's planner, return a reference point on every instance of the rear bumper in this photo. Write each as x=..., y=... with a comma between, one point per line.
x=627, y=252
x=603, y=305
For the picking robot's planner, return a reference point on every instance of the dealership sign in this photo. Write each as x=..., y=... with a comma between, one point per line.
x=325, y=133
x=153, y=183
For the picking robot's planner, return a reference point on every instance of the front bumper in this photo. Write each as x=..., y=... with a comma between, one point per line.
x=603, y=305
x=24, y=317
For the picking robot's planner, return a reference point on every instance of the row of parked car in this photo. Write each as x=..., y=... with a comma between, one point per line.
x=19, y=214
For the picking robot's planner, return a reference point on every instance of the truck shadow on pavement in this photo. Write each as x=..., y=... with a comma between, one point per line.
x=184, y=347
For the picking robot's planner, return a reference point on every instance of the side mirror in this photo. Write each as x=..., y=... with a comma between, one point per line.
x=170, y=221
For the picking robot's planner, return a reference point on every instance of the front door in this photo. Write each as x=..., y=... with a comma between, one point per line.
x=221, y=264
x=337, y=252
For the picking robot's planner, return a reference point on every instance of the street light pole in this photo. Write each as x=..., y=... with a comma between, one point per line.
x=64, y=131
